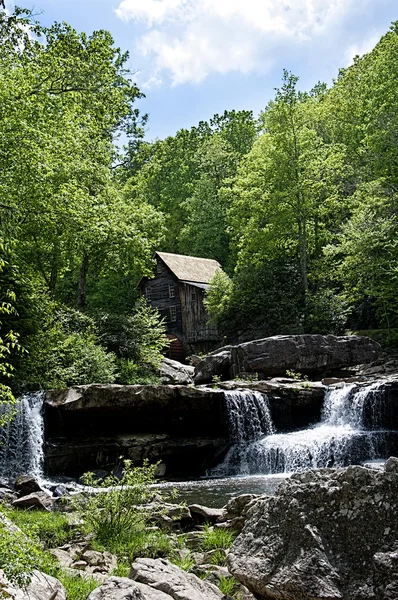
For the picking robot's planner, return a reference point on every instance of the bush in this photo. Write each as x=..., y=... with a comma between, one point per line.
x=65, y=351
x=112, y=513
x=20, y=556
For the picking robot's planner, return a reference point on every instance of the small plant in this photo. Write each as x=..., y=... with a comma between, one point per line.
x=293, y=374
x=185, y=563
x=227, y=585
x=216, y=380
x=214, y=539
x=77, y=588
x=112, y=513
x=218, y=557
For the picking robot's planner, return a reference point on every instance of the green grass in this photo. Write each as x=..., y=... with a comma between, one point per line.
x=77, y=588
x=227, y=585
x=136, y=542
x=51, y=528
x=214, y=539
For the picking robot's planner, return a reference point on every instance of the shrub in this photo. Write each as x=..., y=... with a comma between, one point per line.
x=19, y=556
x=112, y=512
x=214, y=539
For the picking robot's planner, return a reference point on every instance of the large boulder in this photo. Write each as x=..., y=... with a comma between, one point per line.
x=37, y=500
x=122, y=588
x=325, y=535
x=168, y=578
x=273, y=356
x=172, y=371
x=41, y=587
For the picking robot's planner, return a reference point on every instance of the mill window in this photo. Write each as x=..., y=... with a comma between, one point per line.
x=171, y=291
x=173, y=314
x=148, y=294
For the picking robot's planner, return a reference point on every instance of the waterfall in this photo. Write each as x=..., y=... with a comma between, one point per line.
x=339, y=439
x=249, y=419
x=248, y=414
x=21, y=440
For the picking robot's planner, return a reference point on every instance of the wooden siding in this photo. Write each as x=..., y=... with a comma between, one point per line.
x=191, y=325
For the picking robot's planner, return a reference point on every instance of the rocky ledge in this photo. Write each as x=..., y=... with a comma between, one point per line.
x=186, y=427
x=330, y=535
x=308, y=354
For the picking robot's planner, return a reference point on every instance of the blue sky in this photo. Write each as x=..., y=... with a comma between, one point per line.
x=194, y=58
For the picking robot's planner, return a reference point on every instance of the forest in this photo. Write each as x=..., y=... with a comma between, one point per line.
x=298, y=204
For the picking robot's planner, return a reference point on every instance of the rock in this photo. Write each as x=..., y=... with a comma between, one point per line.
x=82, y=559
x=91, y=427
x=218, y=364
x=327, y=534
x=122, y=588
x=273, y=356
x=173, y=371
x=391, y=465
x=168, y=578
x=27, y=484
x=41, y=587
x=38, y=500
x=204, y=514
x=59, y=491
x=194, y=540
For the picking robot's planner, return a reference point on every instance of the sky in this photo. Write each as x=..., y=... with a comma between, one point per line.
x=195, y=58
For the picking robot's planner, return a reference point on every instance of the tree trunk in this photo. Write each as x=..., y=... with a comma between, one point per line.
x=82, y=294
x=303, y=255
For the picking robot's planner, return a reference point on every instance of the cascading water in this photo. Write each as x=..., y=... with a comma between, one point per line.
x=249, y=419
x=339, y=439
x=21, y=440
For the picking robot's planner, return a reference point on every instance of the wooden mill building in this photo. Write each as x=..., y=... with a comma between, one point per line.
x=177, y=290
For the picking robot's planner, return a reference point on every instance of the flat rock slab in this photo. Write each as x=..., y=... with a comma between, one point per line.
x=168, y=578
x=122, y=588
x=325, y=535
x=37, y=500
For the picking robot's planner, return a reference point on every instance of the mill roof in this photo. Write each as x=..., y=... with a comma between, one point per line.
x=190, y=268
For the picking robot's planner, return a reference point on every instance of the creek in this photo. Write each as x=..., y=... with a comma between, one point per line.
x=259, y=458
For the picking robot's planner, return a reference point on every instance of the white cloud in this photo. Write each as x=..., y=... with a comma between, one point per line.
x=360, y=48
x=190, y=39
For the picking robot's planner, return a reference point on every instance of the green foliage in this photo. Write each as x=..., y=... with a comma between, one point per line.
x=112, y=513
x=77, y=588
x=65, y=351
x=227, y=585
x=20, y=555
x=216, y=538
x=52, y=529
x=139, y=337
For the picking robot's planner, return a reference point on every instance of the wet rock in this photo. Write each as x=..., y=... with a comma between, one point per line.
x=37, y=500
x=391, y=465
x=27, y=484
x=168, y=578
x=329, y=534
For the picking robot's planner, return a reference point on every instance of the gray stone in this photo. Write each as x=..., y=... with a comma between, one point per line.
x=27, y=484
x=173, y=371
x=218, y=364
x=204, y=513
x=168, y=578
x=41, y=587
x=122, y=588
x=391, y=465
x=37, y=500
x=327, y=534
x=273, y=356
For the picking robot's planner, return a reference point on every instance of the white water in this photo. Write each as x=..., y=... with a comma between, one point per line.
x=339, y=439
x=22, y=439
x=249, y=415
